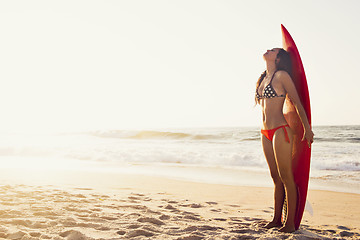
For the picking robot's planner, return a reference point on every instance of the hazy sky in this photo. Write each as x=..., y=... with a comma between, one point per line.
x=75, y=65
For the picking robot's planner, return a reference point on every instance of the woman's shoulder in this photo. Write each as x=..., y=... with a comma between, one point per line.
x=282, y=75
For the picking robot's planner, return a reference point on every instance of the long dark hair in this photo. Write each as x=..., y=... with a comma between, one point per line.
x=282, y=62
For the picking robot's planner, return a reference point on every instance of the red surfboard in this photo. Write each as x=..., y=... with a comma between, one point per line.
x=301, y=152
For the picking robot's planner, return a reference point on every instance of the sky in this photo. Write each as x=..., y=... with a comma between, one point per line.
x=89, y=65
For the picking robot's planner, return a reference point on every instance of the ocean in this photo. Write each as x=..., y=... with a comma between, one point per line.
x=189, y=154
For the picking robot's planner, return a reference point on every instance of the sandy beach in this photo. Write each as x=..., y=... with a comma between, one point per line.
x=98, y=205
x=139, y=119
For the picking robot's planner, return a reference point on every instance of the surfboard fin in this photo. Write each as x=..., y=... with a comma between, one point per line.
x=309, y=208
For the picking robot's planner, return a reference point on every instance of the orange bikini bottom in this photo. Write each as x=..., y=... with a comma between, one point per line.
x=269, y=133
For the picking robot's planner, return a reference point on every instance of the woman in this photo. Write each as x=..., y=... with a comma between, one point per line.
x=277, y=138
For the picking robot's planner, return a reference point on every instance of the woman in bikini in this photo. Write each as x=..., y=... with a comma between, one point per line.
x=273, y=86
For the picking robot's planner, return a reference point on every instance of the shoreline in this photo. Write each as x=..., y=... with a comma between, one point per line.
x=233, y=176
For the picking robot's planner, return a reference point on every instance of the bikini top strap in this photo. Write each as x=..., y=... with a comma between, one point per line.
x=272, y=77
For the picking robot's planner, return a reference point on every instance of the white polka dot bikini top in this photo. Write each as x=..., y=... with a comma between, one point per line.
x=269, y=91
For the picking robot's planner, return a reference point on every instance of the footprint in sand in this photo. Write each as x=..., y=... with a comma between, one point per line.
x=151, y=228
x=191, y=217
x=35, y=234
x=234, y=205
x=151, y=220
x=267, y=211
x=134, y=198
x=191, y=237
x=215, y=210
x=121, y=232
x=137, y=197
x=134, y=226
x=138, y=194
x=346, y=234
x=209, y=228
x=192, y=205
x=236, y=219
x=109, y=218
x=139, y=232
x=149, y=211
x=164, y=217
x=196, y=205
x=73, y=235
x=172, y=210
x=343, y=228
x=169, y=201
x=171, y=207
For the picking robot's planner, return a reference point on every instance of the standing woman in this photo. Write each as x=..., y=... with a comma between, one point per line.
x=273, y=86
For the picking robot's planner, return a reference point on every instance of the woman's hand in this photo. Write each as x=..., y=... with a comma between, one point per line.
x=309, y=137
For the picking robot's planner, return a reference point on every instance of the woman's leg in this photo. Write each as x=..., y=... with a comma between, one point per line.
x=279, y=192
x=283, y=151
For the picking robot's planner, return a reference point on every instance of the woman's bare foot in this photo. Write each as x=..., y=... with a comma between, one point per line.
x=287, y=229
x=273, y=224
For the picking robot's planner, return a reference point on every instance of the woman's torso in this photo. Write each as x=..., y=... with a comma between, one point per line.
x=272, y=102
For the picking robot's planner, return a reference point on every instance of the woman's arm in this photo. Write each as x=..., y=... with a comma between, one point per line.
x=290, y=89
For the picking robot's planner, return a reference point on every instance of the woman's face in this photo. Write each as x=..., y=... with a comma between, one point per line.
x=271, y=55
